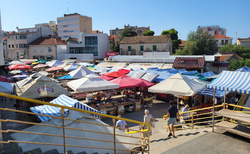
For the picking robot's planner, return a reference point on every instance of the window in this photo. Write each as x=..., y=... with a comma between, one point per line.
x=12, y=45
x=226, y=42
x=129, y=48
x=67, y=20
x=34, y=49
x=9, y=45
x=141, y=48
x=41, y=49
x=154, y=47
x=23, y=45
x=84, y=20
x=222, y=42
x=16, y=45
x=49, y=49
x=68, y=26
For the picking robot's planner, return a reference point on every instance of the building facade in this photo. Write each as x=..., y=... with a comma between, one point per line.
x=51, y=24
x=138, y=45
x=72, y=24
x=212, y=30
x=89, y=47
x=1, y=45
x=46, y=48
x=17, y=42
x=222, y=40
x=243, y=41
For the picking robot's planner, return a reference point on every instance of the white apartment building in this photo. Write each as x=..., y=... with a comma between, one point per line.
x=91, y=46
x=212, y=30
x=72, y=24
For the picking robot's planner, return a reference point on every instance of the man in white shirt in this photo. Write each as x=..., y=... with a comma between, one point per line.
x=121, y=124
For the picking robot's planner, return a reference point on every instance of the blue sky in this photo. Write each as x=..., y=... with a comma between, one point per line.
x=183, y=15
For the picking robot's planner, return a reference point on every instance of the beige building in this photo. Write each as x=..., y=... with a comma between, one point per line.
x=72, y=24
x=138, y=45
x=222, y=40
x=117, y=32
x=17, y=42
x=46, y=48
x=51, y=24
x=243, y=41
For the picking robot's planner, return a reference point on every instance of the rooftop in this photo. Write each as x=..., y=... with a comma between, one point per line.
x=145, y=39
x=218, y=36
x=48, y=41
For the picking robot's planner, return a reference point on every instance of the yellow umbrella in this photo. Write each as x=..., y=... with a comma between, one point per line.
x=34, y=63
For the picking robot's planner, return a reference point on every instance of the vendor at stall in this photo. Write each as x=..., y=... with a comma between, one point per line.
x=99, y=97
x=107, y=96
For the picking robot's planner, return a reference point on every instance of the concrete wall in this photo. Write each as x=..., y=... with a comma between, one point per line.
x=84, y=57
x=135, y=48
x=39, y=52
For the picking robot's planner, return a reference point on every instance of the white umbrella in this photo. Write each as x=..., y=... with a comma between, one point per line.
x=149, y=76
x=91, y=84
x=177, y=85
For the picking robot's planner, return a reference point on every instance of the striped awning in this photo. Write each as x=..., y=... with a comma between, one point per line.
x=56, y=111
x=210, y=92
x=232, y=81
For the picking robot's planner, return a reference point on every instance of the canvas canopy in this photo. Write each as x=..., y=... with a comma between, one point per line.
x=149, y=76
x=41, y=87
x=91, y=84
x=54, y=63
x=243, y=69
x=138, y=74
x=177, y=85
x=210, y=92
x=56, y=111
x=6, y=87
x=232, y=81
x=80, y=72
x=106, y=131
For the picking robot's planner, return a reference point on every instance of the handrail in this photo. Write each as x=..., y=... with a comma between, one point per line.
x=193, y=119
x=75, y=109
x=142, y=131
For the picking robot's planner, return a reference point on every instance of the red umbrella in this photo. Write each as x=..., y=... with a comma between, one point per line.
x=3, y=78
x=126, y=82
x=27, y=62
x=124, y=71
x=54, y=69
x=115, y=74
x=40, y=65
x=108, y=78
x=19, y=67
x=145, y=83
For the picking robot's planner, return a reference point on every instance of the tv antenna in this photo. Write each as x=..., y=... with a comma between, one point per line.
x=67, y=6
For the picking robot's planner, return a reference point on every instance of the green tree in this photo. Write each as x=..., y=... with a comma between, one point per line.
x=127, y=32
x=235, y=64
x=199, y=44
x=242, y=51
x=174, y=36
x=148, y=33
x=112, y=45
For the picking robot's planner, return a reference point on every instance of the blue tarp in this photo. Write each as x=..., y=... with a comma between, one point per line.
x=162, y=76
x=210, y=92
x=206, y=75
x=232, y=81
x=66, y=77
x=152, y=70
x=56, y=111
x=243, y=69
x=190, y=73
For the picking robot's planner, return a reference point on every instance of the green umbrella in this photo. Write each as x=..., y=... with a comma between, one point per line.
x=41, y=61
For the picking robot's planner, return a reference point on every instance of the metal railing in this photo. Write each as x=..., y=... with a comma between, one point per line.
x=140, y=142
x=202, y=117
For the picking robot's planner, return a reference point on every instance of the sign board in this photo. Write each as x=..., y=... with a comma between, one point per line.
x=188, y=61
x=155, y=54
x=107, y=54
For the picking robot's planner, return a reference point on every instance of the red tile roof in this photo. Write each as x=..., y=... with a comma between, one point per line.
x=218, y=36
x=189, y=62
x=226, y=56
x=182, y=43
x=112, y=37
x=48, y=41
x=5, y=38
